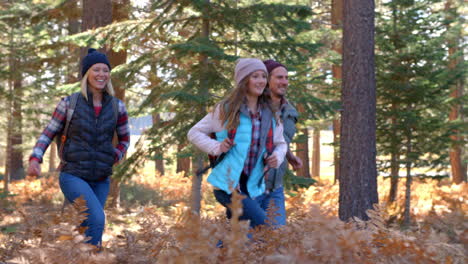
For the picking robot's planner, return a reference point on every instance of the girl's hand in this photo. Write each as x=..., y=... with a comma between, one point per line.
x=272, y=161
x=34, y=168
x=226, y=145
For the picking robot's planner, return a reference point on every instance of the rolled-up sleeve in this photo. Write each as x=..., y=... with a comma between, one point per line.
x=280, y=144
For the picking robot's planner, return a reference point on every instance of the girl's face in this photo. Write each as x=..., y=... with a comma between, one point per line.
x=257, y=83
x=98, y=76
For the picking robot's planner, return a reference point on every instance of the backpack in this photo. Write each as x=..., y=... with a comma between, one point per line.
x=61, y=138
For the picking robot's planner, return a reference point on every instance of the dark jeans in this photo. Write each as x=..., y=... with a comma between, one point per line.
x=277, y=197
x=95, y=194
x=251, y=209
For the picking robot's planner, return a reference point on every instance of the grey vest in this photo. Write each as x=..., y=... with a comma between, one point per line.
x=288, y=115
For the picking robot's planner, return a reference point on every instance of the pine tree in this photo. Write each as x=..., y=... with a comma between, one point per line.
x=28, y=31
x=413, y=86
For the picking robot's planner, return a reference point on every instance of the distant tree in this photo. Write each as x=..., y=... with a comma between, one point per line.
x=337, y=24
x=413, y=89
x=358, y=174
x=456, y=64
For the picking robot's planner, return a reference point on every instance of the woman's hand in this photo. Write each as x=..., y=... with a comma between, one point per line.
x=226, y=145
x=272, y=161
x=34, y=168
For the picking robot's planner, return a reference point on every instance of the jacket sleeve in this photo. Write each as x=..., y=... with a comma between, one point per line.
x=280, y=144
x=123, y=132
x=199, y=133
x=54, y=127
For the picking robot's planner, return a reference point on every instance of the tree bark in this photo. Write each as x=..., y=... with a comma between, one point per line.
x=196, y=182
x=302, y=148
x=358, y=172
x=394, y=164
x=394, y=177
x=316, y=154
x=337, y=20
x=95, y=14
x=159, y=154
x=52, y=157
x=16, y=167
x=407, y=212
x=120, y=10
x=458, y=167
x=336, y=149
x=183, y=163
x=302, y=151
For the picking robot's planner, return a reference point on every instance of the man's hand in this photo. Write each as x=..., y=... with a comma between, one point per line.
x=272, y=161
x=226, y=145
x=34, y=168
x=295, y=162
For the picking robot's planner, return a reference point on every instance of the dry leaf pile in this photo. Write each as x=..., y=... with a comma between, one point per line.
x=314, y=233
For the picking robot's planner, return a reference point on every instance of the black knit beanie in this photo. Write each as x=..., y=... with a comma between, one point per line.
x=92, y=58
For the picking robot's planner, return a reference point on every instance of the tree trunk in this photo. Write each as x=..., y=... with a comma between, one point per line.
x=196, y=185
x=407, y=213
x=302, y=148
x=73, y=27
x=196, y=182
x=158, y=156
x=16, y=167
x=316, y=154
x=336, y=149
x=120, y=10
x=52, y=157
x=457, y=165
x=6, y=177
x=95, y=14
x=358, y=172
x=183, y=163
x=394, y=177
x=337, y=20
x=394, y=164
x=302, y=151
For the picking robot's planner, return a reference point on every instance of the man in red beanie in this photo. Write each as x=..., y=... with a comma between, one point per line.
x=277, y=87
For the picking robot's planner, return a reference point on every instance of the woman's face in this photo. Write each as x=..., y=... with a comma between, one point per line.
x=257, y=83
x=98, y=76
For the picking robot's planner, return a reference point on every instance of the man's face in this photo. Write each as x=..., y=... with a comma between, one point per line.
x=278, y=82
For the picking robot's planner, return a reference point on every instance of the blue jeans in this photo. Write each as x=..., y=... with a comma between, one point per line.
x=95, y=194
x=251, y=209
x=277, y=197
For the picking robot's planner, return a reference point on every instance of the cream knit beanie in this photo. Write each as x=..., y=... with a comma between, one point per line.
x=246, y=66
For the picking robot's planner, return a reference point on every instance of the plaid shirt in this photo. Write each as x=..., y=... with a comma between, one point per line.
x=57, y=124
x=255, y=142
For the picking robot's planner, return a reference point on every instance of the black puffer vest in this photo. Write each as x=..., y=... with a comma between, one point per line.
x=88, y=151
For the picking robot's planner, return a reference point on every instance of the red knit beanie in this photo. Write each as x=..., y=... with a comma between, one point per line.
x=271, y=65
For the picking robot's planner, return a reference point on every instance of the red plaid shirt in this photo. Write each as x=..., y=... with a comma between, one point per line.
x=249, y=163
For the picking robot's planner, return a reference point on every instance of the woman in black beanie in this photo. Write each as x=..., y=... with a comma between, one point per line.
x=85, y=123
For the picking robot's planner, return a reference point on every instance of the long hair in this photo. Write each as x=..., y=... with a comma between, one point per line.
x=229, y=108
x=84, y=86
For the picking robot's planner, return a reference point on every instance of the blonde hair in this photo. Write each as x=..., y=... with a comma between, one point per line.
x=84, y=86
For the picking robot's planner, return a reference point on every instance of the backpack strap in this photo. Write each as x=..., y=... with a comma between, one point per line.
x=215, y=160
x=70, y=110
x=115, y=108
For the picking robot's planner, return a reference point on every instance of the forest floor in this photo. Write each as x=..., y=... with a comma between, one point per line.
x=154, y=225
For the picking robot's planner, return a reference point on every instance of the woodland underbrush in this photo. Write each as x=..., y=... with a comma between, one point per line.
x=35, y=229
